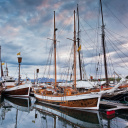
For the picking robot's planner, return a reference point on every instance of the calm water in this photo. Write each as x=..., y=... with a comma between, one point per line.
x=28, y=113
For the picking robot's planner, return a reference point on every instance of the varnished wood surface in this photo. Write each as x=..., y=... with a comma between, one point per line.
x=92, y=102
x=23, y=91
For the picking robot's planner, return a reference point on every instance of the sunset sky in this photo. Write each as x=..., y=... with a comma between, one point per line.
x=25, y=26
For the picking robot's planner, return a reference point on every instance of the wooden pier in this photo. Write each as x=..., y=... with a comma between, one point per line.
x=111, y=107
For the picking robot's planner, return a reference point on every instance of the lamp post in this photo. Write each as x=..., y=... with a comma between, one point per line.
x=19, y=61
x=37, y=71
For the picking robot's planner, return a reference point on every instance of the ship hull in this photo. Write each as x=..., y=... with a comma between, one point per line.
x=18, y=91
x=123, y=96
x=79, y=102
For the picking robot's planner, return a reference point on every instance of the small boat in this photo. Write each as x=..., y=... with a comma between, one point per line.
x=18, y=91
x=120, y=94
x=14, y=89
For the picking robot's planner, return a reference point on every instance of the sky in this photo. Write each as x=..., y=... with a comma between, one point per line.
x=26, y=26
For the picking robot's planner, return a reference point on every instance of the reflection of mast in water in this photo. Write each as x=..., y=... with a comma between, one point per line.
x=45, y=115
x=54, y=121
x=67, y=117
x=17, y=106
x=16, y=118
x=20, y=104
x=5, y=107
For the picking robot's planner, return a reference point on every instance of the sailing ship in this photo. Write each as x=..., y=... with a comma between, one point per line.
x=108, y=91
x=14, y=89
x=121, y=87
x=71, y=98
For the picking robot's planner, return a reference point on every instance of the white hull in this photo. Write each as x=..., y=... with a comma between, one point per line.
x=18, y=91
x=45, y=99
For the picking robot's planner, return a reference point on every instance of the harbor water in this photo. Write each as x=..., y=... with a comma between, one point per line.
x=29, y=113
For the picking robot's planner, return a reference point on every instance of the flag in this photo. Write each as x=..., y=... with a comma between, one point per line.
x=3, y=63
x=33, y=121
x=18, y=53
x=79, y=48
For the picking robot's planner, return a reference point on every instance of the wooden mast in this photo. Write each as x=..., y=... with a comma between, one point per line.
x=1, y=63
x=79, y=45
x=55, y=48
x=103, y=43
x=74, y=53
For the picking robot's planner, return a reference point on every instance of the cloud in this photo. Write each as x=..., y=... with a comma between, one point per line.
x=25, y=26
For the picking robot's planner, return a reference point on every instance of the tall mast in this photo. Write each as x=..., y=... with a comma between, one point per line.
x=74, y=52
x=79, y=45
x=1, y=63
x=55, y=48
x=103, y=43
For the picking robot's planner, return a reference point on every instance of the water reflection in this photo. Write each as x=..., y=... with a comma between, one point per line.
x=69, y=117
x=20, y=104
x=24, y=113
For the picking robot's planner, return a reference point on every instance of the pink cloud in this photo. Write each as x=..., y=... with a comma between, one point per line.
x=57, y=5
x=63, y=17
x=45, y=4
x=9, y=31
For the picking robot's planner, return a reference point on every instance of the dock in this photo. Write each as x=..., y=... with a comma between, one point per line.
x=110, y=107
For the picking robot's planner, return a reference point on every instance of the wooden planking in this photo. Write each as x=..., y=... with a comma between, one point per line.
x=92, y=102
x=82, y=103
x=23, y=91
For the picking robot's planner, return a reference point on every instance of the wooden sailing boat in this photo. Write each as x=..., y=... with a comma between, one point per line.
x=107, y=89
x=70, y=98
x=13, y=89
x=122, y=84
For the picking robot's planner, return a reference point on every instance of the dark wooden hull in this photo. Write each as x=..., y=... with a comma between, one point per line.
x=22, y=92
x=120, y=97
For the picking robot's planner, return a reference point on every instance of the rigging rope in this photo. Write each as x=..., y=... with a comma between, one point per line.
x=115, y=15
x=116, y=51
